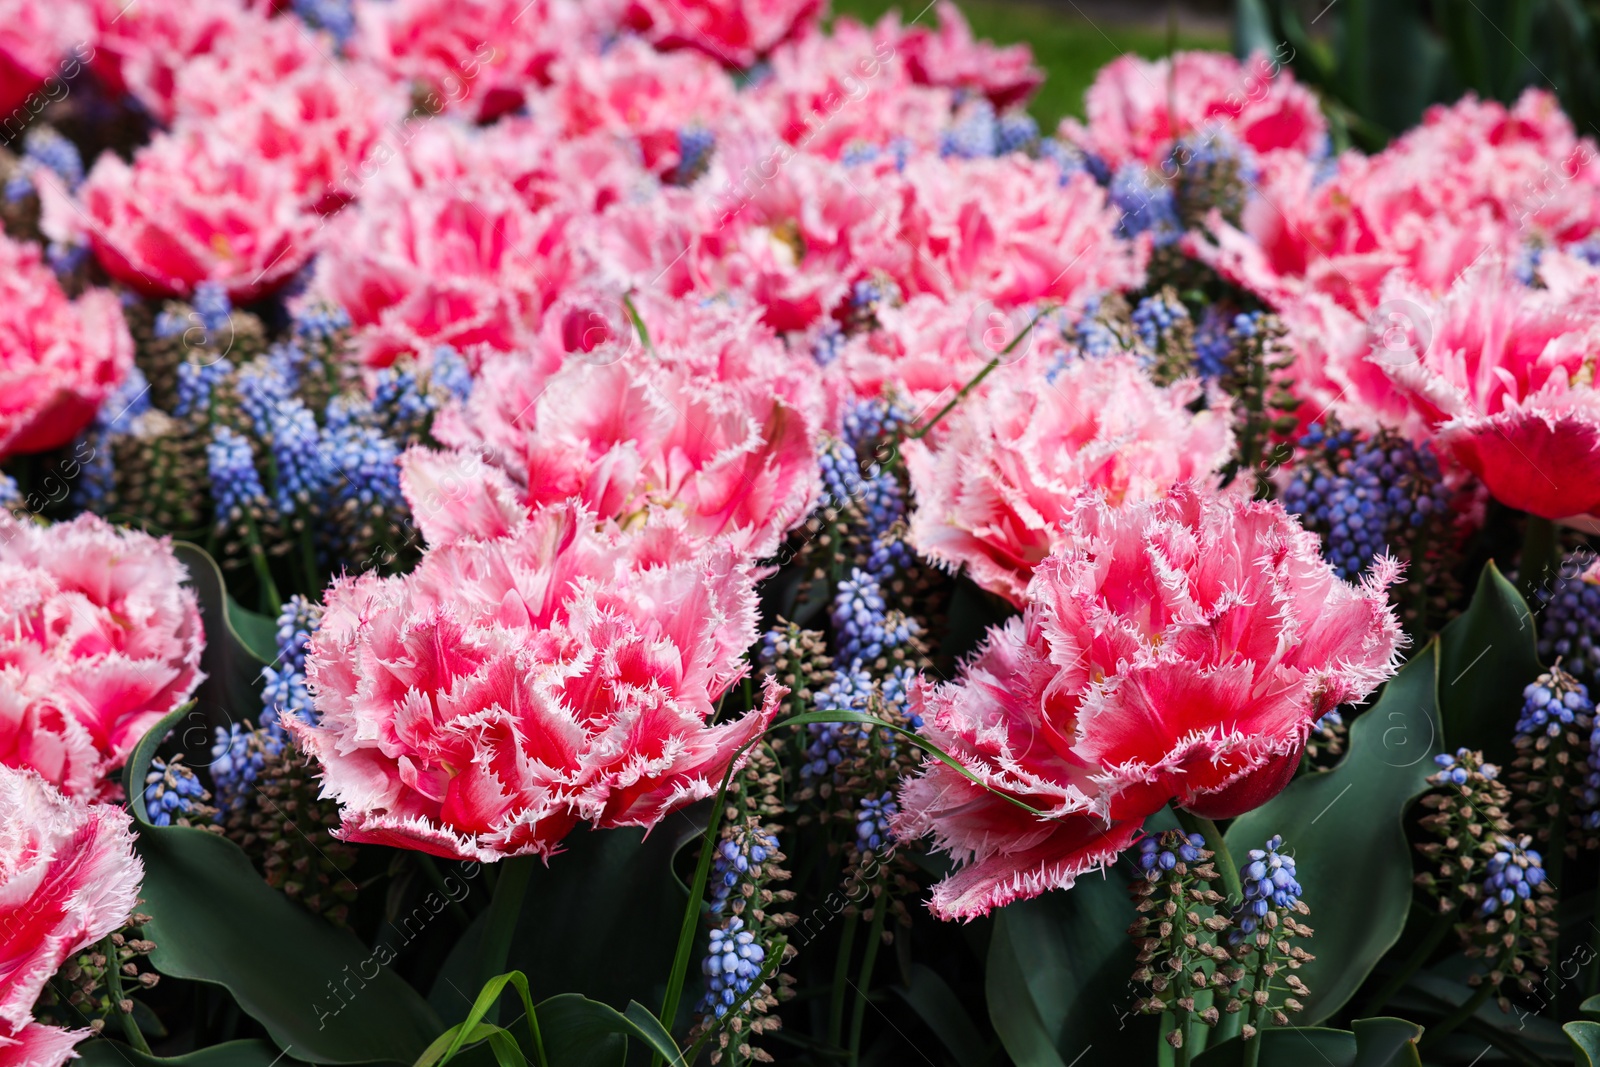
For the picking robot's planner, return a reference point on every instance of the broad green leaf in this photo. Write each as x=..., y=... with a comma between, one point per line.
x=1293, y=1046
x=1058, y=975
x=1386, y=1042
x=322, y=995
x=229, y=692
x=1591, y=1008
x=256, y=633
x=937, y=1005
x=1343, y=826
x=573, y=1026
x=1585, y=1038
x=138, y=764
x=1011, y=1007
x=1486, y=656
x=106, y=1053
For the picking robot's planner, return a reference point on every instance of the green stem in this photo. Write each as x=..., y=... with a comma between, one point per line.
x=988, y=368
x=841, y=970
x=1442, y=925
x=114, y=984
x=1232, y=888
x=1541, y=553
x=504, y=910
x=430, y=870
x=258, y=560
x=1466, y=1010
x=869, y=957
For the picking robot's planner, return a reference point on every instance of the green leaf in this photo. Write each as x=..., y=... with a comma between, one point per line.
x=1486, y=656
x=937, y=1005
x=573, y=1026
x=1052, y=960
x=138, y=765
x=322, y=995
x=1343, y=827
x=1386, y=1042
x=1585, y=1038
x=107, y=1053
x=229, y=692
x=1290, y=1046
x=1591, y=1007
x=256, y=633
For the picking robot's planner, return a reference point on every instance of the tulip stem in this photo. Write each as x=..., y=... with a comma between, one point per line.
x=988, y=368
x=1232, y=888
x=841, y=972
x=858, y=1017
x=504, y=908
x=1541, y=553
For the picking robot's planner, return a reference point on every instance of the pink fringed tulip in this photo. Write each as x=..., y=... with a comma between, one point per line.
x=992, y=493
x=98, y=640
x=1137, y=108
x=508, y=688
x=68, y=877
x=1506, y=379
x=195, y=208
x=733, y=32
x=59, y=358
x=1177, y=651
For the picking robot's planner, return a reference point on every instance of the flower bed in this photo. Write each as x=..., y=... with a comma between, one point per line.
x=711, y=524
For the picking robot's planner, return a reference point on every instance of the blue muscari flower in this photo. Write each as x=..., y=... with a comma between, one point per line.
x=1547, y=707
x=841, y=474
x=1455, y=770
x=237, y=756
x=1330, y=719
x=867, y=421
x=1154, y=317
x=895, y=692
x=65, y=257
x=862, y=625
x=171, y=792
x=1569, y=624
x=450, y=372
x=364, y=465
x=263, y=391
x=1526, y=266
x=300, y=466
x=828, y=343
x=1145, y=203
x=235, y=482
x=124, y=403
x=1068, y=158
x=1212, y=344
x=732, y=966
x=695, y=145
x=1358, y=492
x=45, y=146
x=849, y=690
x=735, y=855
x=335, y=16
x=321, y=324
x=873, y=820
x=19, y=186
x=210, y=302
x=10, y=494
x=1269, y=882
x=857, y=153
x=974, y=135
x=1158, y=852
x=194, y=385
x=1587, y=250
x=1015, y=132
x=399, y=396
x=1511, y=874
x=285, y=688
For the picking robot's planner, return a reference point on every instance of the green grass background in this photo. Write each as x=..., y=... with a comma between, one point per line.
x=1068, y=46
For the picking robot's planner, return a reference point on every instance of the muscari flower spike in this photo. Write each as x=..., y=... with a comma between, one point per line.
x=173, y=795
x=1364, y=495
x=285, y=690
x=1146, y=205
x=1512, y=874
x=1569, y=622
x=1269, y=882
x=874, y=817
x=1467, y=807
